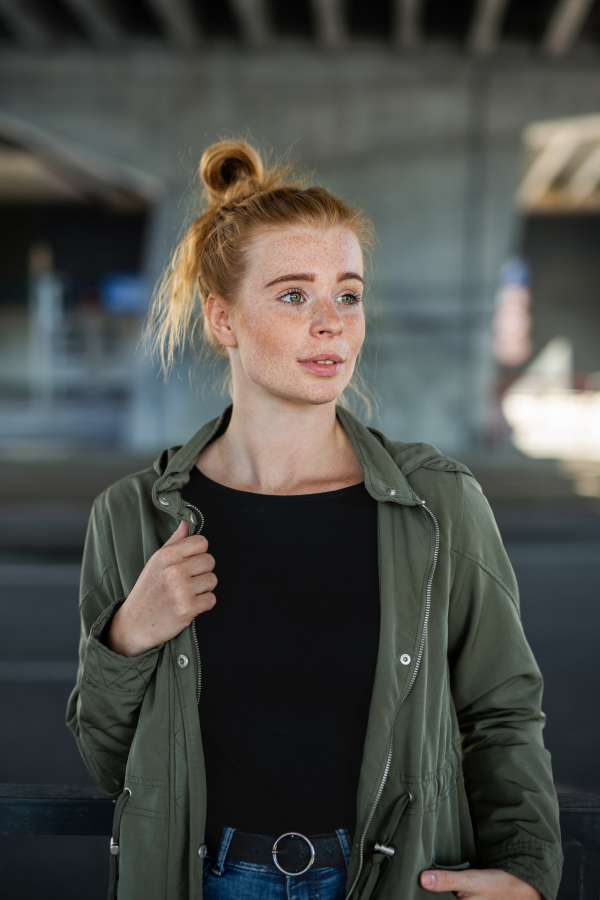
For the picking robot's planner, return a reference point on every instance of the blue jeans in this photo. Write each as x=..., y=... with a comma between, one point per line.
x=228, y=879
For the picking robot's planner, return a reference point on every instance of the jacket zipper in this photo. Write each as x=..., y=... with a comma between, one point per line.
x=199, y=522
x=198, y=662
x=198, y=526
x=388, y=763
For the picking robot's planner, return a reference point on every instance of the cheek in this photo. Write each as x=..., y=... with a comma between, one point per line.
x=268, y=335
x=355, y=329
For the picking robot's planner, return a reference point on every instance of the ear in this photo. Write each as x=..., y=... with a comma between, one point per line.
x=218, y=313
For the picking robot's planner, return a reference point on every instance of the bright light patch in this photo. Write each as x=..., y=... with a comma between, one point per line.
x=550, y=419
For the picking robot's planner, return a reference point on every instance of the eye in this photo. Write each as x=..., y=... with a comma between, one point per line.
x=294, y=297
x=349, y=298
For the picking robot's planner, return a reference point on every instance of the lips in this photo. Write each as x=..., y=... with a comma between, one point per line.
x=323, y=364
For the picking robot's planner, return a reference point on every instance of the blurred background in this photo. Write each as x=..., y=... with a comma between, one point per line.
x=469, y=131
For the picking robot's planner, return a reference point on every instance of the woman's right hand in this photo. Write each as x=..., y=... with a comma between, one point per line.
x=175, y=585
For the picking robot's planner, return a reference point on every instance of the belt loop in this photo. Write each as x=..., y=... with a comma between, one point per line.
x=346, y=845
x=219, y=866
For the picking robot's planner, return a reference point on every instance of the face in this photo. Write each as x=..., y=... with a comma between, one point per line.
x=298, y=324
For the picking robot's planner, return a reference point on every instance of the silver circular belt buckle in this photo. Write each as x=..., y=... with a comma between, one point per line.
x=293, y=834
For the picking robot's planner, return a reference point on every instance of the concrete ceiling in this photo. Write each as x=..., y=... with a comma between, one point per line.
x=480, y=27
x=36, y=167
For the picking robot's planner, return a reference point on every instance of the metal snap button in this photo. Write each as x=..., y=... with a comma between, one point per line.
x=183, y=661
x=405, y=659
x=391, y=491
x=163, y=501
x=193, y=519
x=202, y=851
x=114, y=847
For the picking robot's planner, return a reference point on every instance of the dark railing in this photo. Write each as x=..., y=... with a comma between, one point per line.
x=61, y=809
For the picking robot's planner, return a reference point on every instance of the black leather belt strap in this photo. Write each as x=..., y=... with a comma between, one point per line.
x=293, y=853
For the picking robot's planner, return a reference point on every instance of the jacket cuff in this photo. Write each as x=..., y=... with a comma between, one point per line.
x=536, y=862
x=111, y=671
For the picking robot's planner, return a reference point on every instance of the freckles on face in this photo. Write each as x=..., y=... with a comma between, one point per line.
x=301, y=299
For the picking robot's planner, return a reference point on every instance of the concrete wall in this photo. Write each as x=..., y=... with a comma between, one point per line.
x=429, y=145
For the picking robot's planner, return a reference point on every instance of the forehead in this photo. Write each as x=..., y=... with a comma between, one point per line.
x=323, y=252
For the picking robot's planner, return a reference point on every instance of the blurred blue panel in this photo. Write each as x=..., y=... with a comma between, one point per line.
x=124, y=293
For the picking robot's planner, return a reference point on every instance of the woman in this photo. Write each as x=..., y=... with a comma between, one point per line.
x=352, y=709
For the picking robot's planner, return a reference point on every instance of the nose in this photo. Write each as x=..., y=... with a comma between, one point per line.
x=327, y=319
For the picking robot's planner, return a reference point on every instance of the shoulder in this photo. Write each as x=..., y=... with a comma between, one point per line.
x=418, y=455
x=448, y=487
x=428, y=469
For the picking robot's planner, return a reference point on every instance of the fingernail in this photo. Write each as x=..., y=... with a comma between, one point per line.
x=428, y=879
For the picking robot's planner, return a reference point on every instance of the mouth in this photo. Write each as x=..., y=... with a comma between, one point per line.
x=324, y=364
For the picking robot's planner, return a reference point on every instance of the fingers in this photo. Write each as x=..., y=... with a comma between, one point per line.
x=206, y=602
x=181, y=545
x=479, y=884
x=442, y=881
x=197, y=564
x=179, y=534
x=204, y=583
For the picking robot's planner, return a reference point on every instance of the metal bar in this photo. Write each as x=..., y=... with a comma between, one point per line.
x=330, y=22
x=253, y=19
x=54, y=809
x=486, y=26
x=178, y=20
x=98, y=20
x=565, y=26
x=407, y=23
x=25, y=22
x=38, y=671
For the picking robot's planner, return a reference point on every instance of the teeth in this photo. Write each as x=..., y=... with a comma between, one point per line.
x=324, y=362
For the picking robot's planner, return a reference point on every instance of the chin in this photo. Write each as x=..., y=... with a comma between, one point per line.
x=316, y=395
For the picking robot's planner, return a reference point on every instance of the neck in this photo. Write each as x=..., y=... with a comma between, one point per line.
x=275, y=446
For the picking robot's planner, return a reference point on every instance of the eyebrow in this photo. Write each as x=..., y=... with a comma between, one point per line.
x=307, y=276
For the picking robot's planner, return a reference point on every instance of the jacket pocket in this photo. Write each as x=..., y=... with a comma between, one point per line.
x=115, y=849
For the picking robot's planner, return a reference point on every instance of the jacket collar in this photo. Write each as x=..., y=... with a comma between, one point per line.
x=384, y=481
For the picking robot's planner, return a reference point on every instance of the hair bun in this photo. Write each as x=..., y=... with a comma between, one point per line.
x=228, y=169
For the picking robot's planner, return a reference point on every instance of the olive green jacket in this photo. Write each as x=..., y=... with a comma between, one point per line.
x=454, y=770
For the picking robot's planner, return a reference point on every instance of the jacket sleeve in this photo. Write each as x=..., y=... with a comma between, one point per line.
x=497, y=691
x=104, y=706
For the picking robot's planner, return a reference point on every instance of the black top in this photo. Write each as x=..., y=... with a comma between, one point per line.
x=288, y=656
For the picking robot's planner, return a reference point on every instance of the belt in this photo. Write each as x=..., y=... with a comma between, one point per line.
x=292, y=853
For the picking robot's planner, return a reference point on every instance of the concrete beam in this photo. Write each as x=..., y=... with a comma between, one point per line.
x=253, y=19
x=98, y=21
x=565, y=26
x=546, y=167
x=586, y=179
x=330, y=22
x=25, y=22
x=89, y=175
x=407, y=23
x=178, y=21
x=486, y=26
